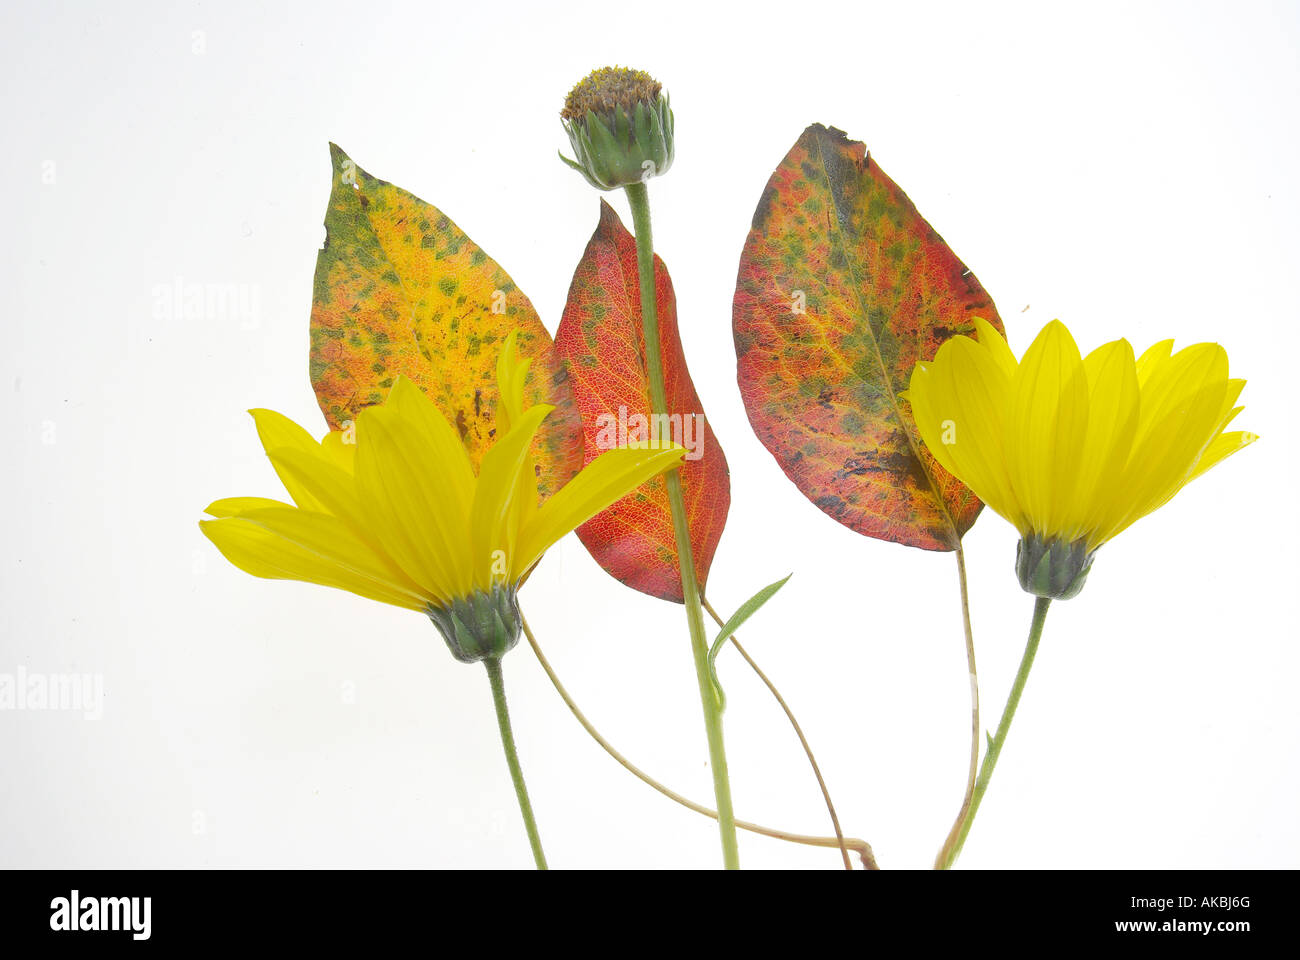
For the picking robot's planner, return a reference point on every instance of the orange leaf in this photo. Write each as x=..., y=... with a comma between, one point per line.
x=400, y=289
x=843, y=287
x=603, y=346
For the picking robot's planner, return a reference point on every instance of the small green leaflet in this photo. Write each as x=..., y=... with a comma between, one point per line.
x=747, y=610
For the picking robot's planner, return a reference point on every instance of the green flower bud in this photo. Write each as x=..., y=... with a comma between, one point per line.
x=620, y=126
x=1053, y=569
x=481, y=626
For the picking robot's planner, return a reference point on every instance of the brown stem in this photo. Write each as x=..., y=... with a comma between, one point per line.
x=945, y=853
x=860, y=847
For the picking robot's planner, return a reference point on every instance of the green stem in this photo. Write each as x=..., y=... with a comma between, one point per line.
x=638, y=199
x=798, y=732
x=512, y=759
x=995, y=745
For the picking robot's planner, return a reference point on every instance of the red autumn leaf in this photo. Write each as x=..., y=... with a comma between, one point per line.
x=602, y=344
x=843, y=287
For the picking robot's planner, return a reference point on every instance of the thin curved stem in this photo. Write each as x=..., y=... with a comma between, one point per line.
x=995, y=745
x=946, y=851
x=638, y=199
x=789, y=714
x=860, y=847
x=512, y=759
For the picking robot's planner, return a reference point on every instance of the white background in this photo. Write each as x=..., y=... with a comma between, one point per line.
x=1127, y=168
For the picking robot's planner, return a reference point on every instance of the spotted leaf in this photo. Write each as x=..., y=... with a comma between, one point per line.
x=843, y=286
x=400, y=289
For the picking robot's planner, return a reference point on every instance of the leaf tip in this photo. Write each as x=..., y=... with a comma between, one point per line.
x=608, y=215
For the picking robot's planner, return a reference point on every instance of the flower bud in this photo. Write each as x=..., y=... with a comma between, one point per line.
x=1053, y=569
x=481, y=626
x=620, y=127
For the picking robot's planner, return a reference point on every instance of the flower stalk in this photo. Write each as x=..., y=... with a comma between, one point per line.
x=493, y=665
x=798, y=732
x=638, y=199
x=995, y=745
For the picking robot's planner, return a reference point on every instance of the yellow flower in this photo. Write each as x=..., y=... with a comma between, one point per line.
x=400, y=517
x=1071, y=449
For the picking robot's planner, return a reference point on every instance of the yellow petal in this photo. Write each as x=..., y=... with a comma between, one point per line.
x=289, y=544
x=1113, y=412
x=1047, y=427
x=492, y=533
x=606, y=480
x=512, y=374
x=278, y=432
x=339, y=447
x=1229, y=398
x=412, y=499
x=512, y=371
x=1171, y=463
x=1229, y=417
x=1183, y=406
x=963, y=397
x=336, y=491
x=1169, y=385
x=1220, y=448
x=928, y=396
x=331, y=538
x=996, y=346
x=423, y=415
x=1152, y=359
x=234, y=506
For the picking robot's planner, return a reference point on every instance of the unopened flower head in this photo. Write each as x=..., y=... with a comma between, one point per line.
x=620, y=127
x=1071, y=449
x=400, y=516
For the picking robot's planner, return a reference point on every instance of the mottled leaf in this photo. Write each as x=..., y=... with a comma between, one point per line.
x=602, y=343
x=843, y=287
x=400, y=289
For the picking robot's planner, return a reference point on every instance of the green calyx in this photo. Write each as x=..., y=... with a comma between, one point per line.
x=1053, y=569
x=620, y=126
x=482, y=626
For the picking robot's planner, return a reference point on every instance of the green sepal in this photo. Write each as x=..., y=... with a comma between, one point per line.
x=623, y=145
x=482, y=626
x=622, y=126
x=581, y=169
x=1053, y=569
x=642, y=121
